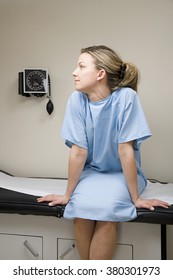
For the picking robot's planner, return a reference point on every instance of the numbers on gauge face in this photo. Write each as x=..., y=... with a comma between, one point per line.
x=35, y=80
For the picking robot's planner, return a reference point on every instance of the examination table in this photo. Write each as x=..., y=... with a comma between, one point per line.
x=18, y=195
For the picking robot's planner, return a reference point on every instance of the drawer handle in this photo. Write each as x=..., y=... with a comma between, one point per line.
x=28, y=247
x=67, y=251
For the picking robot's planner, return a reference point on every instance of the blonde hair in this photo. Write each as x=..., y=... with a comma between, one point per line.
x=119, y=73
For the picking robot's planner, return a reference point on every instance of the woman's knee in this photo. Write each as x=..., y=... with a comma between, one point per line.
x=106, y=225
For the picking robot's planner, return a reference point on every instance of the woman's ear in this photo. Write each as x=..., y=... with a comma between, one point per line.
x=101, y=74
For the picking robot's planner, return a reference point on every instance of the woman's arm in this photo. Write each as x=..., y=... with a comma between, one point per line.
x=77, y=159
x=76, y=164
x=127, y=158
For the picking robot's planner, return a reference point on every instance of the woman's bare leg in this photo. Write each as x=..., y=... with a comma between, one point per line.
x=103, y=241
x=83, y=231
x=95, y=240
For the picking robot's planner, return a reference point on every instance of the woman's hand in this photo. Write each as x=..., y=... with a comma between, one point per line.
x=54, y=199
x=150, y=203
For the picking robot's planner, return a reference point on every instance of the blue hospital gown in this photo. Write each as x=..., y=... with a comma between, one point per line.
x=102, y=193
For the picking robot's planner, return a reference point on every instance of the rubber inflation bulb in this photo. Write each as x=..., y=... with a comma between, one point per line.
x=49, y=107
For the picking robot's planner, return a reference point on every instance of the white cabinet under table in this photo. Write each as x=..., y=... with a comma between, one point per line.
x=51, y=238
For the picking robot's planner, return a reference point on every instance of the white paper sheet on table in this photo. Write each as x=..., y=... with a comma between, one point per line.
x=159, y=191
x=33, y=186
x=42, y=186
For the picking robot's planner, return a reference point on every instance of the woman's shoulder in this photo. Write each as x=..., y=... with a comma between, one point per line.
x=78, y=96
x=124, y=95
x=124, y=92
x=77, y=101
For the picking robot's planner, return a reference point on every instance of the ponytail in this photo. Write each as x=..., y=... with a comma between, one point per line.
x=130, y=77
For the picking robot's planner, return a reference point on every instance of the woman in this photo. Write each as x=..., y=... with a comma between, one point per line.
x=104, y=126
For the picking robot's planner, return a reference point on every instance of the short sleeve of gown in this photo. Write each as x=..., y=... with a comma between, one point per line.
x=133, y=124
x=73, y=128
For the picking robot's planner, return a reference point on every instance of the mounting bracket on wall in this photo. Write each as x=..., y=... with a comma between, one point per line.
x=35, y=82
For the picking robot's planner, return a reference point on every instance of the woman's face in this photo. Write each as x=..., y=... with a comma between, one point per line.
x=86, y=75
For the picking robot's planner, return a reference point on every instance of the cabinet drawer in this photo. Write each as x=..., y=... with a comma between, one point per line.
x=20, y=247
x=67, y=250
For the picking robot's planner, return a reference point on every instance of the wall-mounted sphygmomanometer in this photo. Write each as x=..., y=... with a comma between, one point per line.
x=36, y=82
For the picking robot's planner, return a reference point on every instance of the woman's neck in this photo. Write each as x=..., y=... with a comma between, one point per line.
x=99, y=94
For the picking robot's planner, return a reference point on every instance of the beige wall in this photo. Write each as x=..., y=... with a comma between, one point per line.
x=50, y=34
